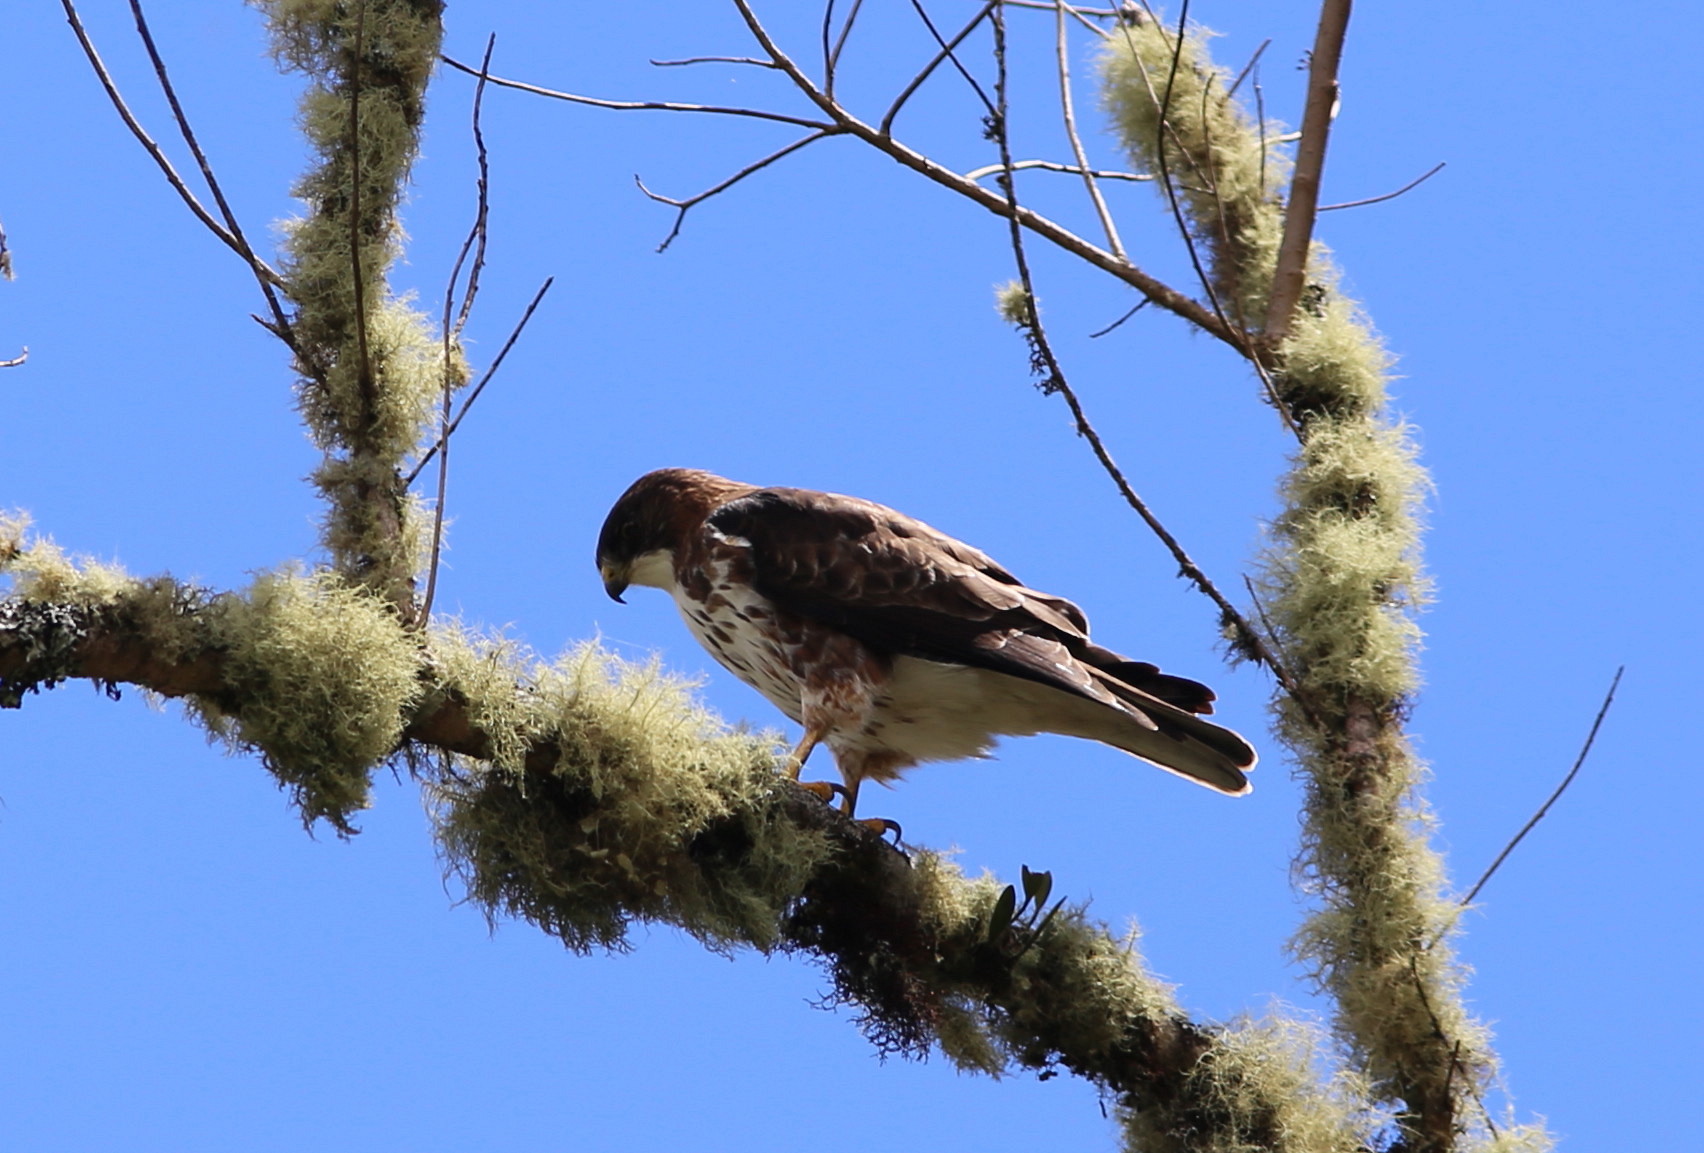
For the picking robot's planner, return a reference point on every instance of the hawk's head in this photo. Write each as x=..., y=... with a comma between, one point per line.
x=652, y=518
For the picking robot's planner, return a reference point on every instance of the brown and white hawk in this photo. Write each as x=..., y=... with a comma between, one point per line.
x=889, y=641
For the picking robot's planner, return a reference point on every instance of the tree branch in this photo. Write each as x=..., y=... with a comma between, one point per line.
x=878, y=919
x=683, y=206
x=635, y=105
x=1585, y=750
x=1299, y=213
x=1063, y=63
x=159, y=157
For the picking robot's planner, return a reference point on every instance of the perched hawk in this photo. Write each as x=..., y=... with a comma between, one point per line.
x=889, y=641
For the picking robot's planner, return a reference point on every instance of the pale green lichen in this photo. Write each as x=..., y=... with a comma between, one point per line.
x=323, y=678
x=370, y=365
x=1014, y=304
x=650, y=808
x=1173, y=111
x=1264, y=1085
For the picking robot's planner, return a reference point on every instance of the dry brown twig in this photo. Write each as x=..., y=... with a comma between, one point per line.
x=268, y=280
x=840, y=121
x=1411, y=185
x=1302, y=208
x=485, y=378
x=227, y=233
x=1045, y=360
x=1062, y=61
x=988, y=170
x=474, y=243
x=1585, y=750
x=683, y=206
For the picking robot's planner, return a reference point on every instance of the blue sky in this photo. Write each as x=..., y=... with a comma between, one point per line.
x=184, y=969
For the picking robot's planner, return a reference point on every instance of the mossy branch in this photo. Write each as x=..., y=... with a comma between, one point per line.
x=370, y=366
x=1341, y=583
x=589, y=793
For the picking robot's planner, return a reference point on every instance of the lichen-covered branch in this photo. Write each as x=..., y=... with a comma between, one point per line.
x=588, y=793
x=369, y=364
x=1342, y=584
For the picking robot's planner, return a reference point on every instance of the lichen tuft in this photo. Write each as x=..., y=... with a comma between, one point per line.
x=321, y=681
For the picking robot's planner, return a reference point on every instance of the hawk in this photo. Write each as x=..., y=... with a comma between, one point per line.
x=892, y=642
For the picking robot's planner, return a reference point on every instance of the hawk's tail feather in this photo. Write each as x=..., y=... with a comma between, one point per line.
x=1180, y=741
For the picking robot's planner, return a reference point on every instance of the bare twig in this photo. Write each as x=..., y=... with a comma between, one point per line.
x=480, y=387
x=1047, y=6
x=988, y=170
x=1299, y=213
x=478, y=234
x=753, y=61
x=1161, y=293
x=845, y=31
x=1045, y=361
x=1140, y=305
x=1080, y=15
x=935, y=62
x=636, y=105
x=451, y=332
x=5, y=256
x=841, y=121
x=1249, y=68
x=369, y=386
x=154, y=151
x=1063, y=61
x=1603, y=710
x=1412, y=184
x=16, y=360
x=682, y=206
x=264, y=275
x=949, y=51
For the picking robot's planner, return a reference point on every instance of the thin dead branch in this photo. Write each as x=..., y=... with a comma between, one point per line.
x=262, y=274
x=1412, y=184
x=683, y=206
x=1063, y=61
x=988, y=170
x=948, y=50
x=712, y=60
x=159, y=157
x=485, y=379
x=479, y=233
x=1302, y=208
x=16, y=361
x=635, y=105
x=475, y=242
x=916, y=82
x=1249, y=67
x=1140, y=305
x=1585, y=750
x=1047, y=366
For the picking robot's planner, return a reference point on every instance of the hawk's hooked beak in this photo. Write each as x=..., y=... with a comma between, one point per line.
x=614, y=579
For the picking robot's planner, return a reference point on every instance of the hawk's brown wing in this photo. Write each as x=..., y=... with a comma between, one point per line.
x=904, y=588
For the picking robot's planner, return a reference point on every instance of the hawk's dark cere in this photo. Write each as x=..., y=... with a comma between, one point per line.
x=889, y=641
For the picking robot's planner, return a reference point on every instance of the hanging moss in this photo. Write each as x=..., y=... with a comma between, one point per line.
x=653, y=809
x=325, y=678
x=370, y=365
x=1173, y=111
